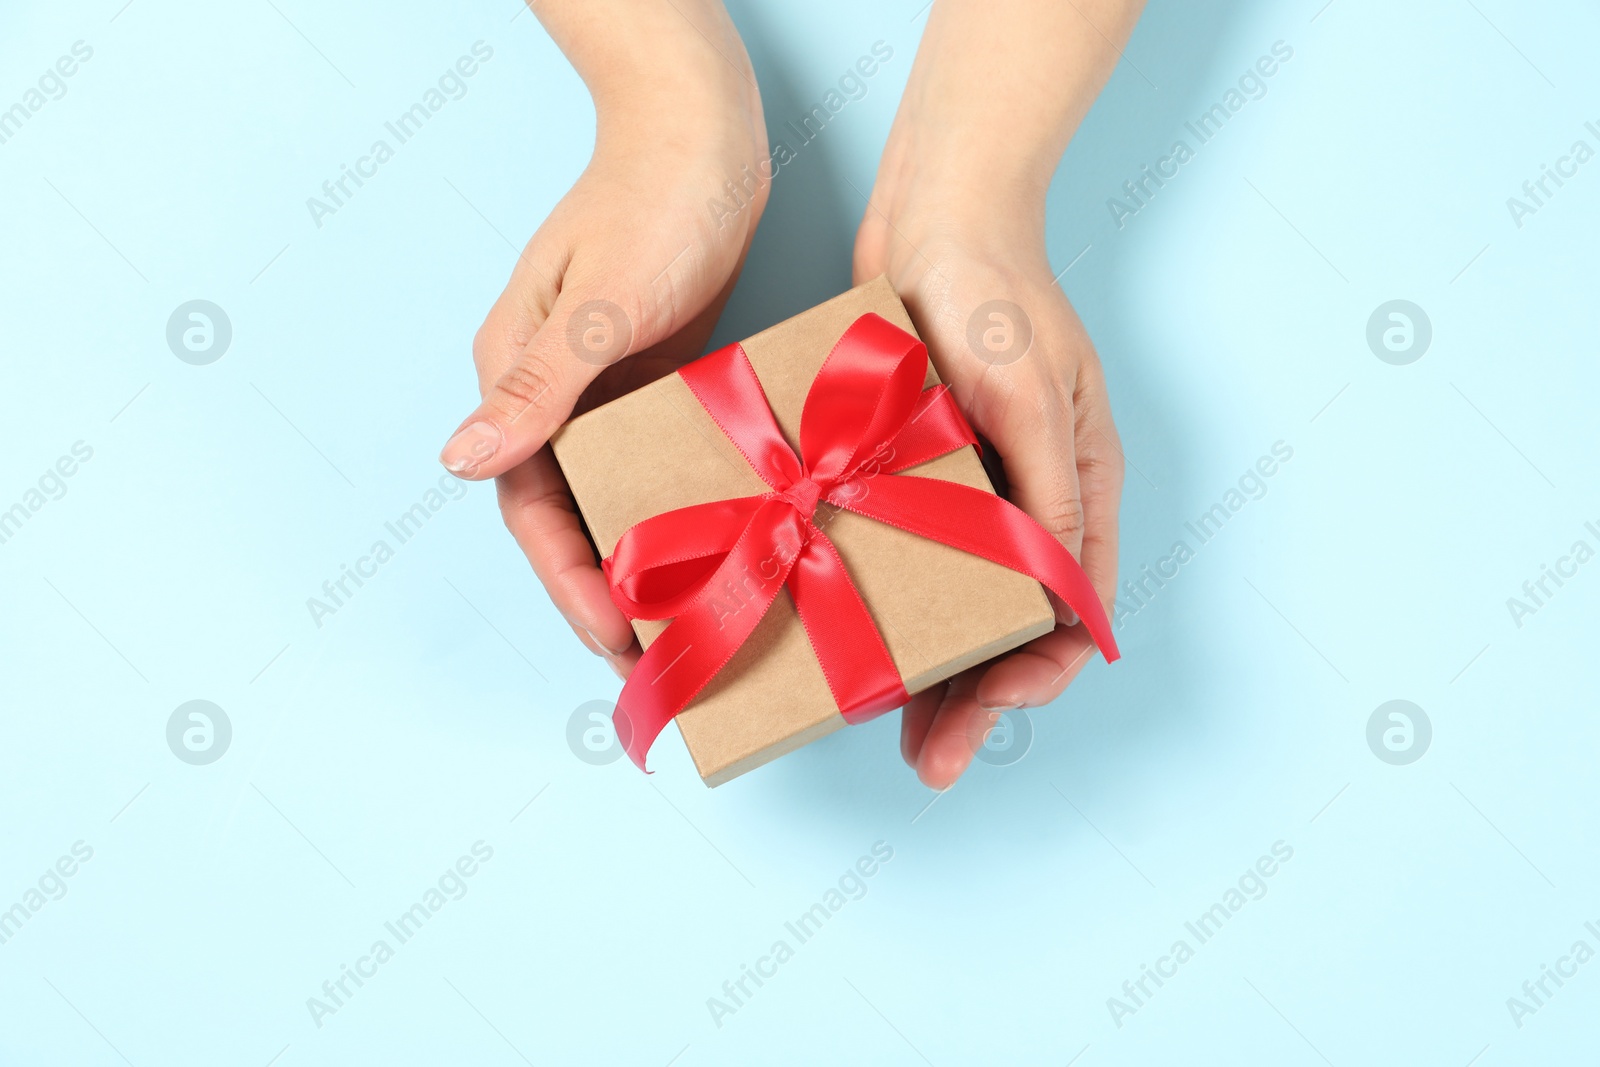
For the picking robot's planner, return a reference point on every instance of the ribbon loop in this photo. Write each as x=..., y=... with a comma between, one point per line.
x=647, y=583
x=864, y=394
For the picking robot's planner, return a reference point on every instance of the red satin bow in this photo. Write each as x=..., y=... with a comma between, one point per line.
x=715, y=568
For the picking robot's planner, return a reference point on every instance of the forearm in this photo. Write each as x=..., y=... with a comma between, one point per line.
x=997, y=90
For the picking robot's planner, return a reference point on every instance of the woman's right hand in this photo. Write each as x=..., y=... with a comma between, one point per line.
x=625, y=279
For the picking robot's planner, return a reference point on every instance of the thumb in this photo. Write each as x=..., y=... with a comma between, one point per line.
x=533, y=396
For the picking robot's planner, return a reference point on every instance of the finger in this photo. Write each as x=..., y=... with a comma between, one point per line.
x=958, y=729
x=916, y=719
x=521, y=308
x=538, y=510
x=1036, y=673
x=1028, y=416
x=622, y=666
x=530, y=398
x=587, y=640
x=1100, y=476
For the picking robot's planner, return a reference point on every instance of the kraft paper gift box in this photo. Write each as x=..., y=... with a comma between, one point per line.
x=940, y=610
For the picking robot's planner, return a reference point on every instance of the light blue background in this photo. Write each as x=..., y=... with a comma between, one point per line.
x=370, y=753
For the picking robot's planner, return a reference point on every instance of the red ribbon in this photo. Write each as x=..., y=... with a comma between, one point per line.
x=715, y=568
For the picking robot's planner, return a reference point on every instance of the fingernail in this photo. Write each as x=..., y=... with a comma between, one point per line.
x=995, y=709
x=472, y=446
x=601, y=644
x=616, y=670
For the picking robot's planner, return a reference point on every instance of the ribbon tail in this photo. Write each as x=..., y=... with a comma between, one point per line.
x=704, y=636
x=862, y=677
x=984, y=525
x=727, y=387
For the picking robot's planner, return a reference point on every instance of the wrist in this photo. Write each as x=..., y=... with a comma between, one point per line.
x=655, y=66
x=930, y=197
x=936, y=172
x=930, y=210
x=695, y=91
x=696, y=124
x=696, y=114
x=976, y=142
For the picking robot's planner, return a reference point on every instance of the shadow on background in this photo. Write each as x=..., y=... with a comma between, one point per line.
x=1095, y=738
x=801, y=253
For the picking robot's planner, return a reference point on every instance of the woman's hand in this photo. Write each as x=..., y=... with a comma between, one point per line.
x=956, y=221
x=625, y=279
x=1023, y=370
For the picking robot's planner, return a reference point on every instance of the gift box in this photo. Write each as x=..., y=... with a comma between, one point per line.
x=715, y=513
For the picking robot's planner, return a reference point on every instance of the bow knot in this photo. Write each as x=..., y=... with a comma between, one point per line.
x=803, y=493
